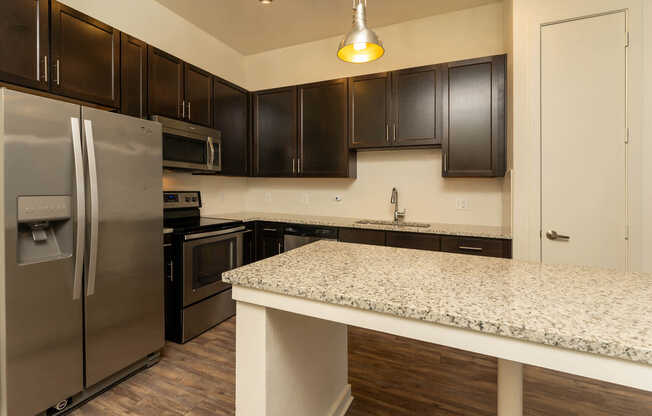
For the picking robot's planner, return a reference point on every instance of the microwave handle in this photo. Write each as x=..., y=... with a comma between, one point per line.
x=211, y=153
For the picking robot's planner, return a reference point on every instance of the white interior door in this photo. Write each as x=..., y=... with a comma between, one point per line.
x=583, y=150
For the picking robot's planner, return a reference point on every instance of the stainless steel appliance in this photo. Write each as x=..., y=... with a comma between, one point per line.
x=81, y=299
x=191, y=147
x=299, y=235
x=200, y=250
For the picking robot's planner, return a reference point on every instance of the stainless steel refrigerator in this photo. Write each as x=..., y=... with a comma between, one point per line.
x=81, y=287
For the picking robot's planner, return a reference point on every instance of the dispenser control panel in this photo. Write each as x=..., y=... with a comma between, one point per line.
x=33, y=209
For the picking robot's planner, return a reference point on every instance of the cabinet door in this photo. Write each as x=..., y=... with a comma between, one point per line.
x=24, y=31
x=270, y=239
x=165, y=84
x=360, y=236
x=416, y=105
x=249, y=245
x=86, y=56
x=230, y=116
x=323, y=130
x=414, y=240
x=369, y=107
x=199, y=95
x=133, y=72
x=474, y=123
x=275, y=132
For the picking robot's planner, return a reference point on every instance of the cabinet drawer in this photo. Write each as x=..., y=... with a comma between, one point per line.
x=476, y=246
x=353, y=235
x=414, y=240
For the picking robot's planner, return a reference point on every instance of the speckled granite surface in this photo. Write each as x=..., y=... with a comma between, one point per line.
x=435, y=228
x=580, y=308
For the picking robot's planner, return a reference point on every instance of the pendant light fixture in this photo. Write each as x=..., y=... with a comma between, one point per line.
x=361, y=44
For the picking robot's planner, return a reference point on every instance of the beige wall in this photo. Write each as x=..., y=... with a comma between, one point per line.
x=415, y=173
x=647, y=142
x=528, y=16
x=447, y=37
x=219, y=194
x=158, y=26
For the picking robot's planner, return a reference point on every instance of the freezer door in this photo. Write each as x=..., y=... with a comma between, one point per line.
x=124, y=260
x=41, y=330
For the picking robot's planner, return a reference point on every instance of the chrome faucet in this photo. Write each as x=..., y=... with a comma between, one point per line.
x=398, y=215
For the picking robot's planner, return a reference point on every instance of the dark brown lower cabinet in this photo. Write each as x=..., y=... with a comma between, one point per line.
x=361, y=236
x=249, y=244
x=85, y=57
x=477, y=246
x=269, y=239
x=24, y=36
x=414, y=240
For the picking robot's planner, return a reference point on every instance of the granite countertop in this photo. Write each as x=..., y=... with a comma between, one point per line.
x=435, y=228
x=580, y=308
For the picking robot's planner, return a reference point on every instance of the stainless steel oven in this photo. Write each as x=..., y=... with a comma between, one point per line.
x=191, y=147
x=206, y=256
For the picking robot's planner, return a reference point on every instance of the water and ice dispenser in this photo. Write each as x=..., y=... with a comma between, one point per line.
x=44, y=228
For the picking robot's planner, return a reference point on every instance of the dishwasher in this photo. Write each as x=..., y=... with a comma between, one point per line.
x=299, y=235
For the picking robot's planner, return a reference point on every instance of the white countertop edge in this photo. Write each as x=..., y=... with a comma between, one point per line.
x=599, y=367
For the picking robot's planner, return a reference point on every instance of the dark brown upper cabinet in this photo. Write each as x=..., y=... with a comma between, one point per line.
x=133, y=76
x=85, y=57
x=474, y=124
x=165, y=84
x=275, y=132
x=416, y=106
x=370, y=111
x=25, y=35
x=231, y=118
x=323, y=131
x=198, y=95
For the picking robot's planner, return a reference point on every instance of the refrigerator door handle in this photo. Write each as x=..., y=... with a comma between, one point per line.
x=80, y=236
x=94, y=198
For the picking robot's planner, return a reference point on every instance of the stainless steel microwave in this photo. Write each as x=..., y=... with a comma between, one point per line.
x=191, y=147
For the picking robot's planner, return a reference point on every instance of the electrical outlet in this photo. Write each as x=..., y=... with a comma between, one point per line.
x=338, y=198
x=305, y=199
x=462, y=204
x=268, y=197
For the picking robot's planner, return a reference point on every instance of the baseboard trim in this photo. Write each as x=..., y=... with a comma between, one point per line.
x=344, y=400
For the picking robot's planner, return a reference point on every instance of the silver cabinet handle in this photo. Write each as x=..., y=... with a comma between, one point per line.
x=279, y=248
x=58, y=73
x=394, y=132
x=171, y=271
x=470, y=248
x=270, y=229
x=183, y=109
x=387, y=132
x=46, y=70
x=80, y=236
x=293, y=167
x=188, y=110
x=553, y=235
x=299, y=166
x=95, y=221
x=445, y=162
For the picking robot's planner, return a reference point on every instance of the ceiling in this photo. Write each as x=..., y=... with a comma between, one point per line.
x=251, y=27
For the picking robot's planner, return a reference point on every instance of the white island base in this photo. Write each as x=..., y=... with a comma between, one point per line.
x=291, y=355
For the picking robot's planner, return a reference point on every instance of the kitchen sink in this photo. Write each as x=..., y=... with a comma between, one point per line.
x=397, y=224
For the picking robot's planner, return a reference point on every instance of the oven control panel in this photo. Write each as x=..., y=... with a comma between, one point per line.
x=181, y=199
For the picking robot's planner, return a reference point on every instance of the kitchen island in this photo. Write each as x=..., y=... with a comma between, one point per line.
x=293, y=311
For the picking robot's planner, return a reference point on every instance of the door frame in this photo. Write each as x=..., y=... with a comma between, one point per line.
x=626, y=212
x=525, y=155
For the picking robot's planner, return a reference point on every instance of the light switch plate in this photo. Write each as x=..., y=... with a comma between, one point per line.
x=462, y=204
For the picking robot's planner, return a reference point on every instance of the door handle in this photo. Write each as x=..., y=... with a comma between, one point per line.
x=553, y=235
x=80, y=238
x=95, y=212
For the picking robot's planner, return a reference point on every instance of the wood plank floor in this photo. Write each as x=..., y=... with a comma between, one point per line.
x=389, y=375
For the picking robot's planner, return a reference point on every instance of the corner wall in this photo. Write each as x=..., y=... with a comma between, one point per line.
x=647, y=140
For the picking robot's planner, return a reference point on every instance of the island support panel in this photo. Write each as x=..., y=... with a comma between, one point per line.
x=289, y=365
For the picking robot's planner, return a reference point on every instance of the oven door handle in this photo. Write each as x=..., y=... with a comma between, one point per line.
x=196, y=236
